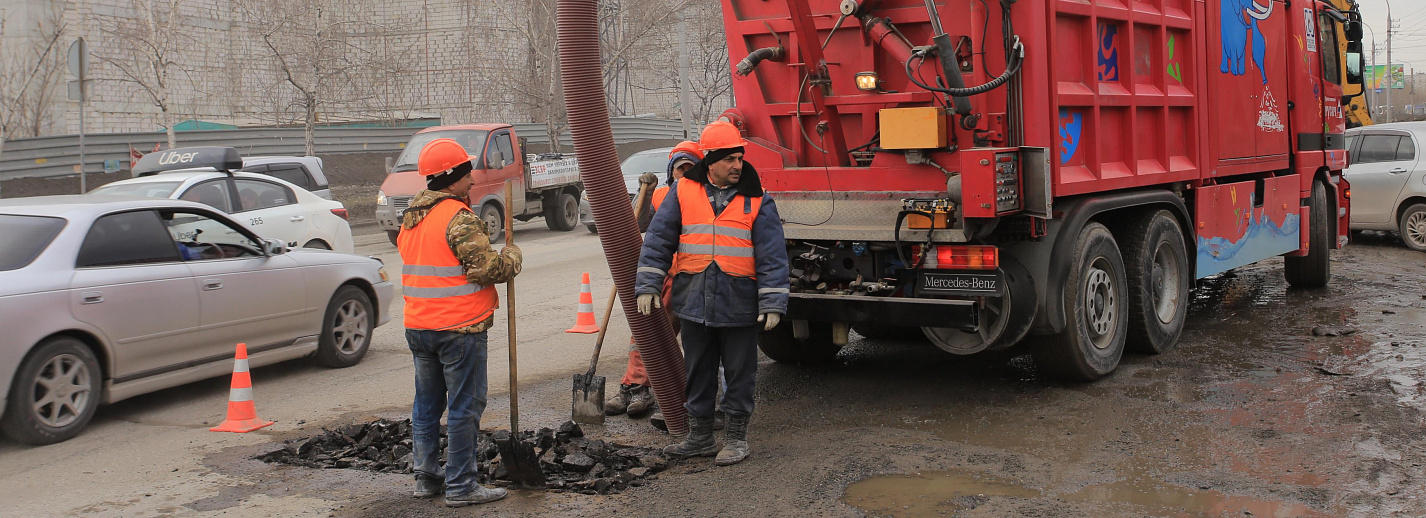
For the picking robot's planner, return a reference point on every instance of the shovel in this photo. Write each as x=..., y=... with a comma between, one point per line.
x=518, y=457
x=587, y=398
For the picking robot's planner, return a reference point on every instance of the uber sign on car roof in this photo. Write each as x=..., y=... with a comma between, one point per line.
x=220, y=158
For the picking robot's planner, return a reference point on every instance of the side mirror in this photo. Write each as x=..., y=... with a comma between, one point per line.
x=1353, y=29
x=273, y=247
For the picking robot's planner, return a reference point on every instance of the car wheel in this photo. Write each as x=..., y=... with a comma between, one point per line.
x=317, y=244
x=346, y=328
x=54, y=394
x=494, y=221
x=1413, y=227
x=392, y=235
x=592, y=228
x=1096, y=320
x=563, y=212
x=1314, y=269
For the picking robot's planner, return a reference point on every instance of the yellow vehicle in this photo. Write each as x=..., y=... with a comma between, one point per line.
x=1356, y=104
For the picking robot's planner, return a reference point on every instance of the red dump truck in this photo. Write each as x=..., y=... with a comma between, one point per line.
x=1054, y=173
x=545, y=185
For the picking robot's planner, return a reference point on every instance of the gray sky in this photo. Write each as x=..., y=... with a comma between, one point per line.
x=1408, y=44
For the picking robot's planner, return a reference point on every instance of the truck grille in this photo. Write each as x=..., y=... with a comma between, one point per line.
x=400, y=204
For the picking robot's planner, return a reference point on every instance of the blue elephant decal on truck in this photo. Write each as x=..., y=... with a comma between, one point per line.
x=1236, y=29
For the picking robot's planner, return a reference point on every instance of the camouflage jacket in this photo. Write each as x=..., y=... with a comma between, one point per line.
x=469, y=239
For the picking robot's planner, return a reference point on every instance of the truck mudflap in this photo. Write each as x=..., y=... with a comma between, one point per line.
x=895, y=311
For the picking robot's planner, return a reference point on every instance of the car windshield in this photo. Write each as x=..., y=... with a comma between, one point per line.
x=22, y=238
x=145, y=189
x=641, y=163
x=472, y=140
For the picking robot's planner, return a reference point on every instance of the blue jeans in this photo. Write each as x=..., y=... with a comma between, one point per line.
x=447, y=364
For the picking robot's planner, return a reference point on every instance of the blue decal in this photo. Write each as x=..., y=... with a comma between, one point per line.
x=1108, y=52
x=1262, y=240
x=1070, y=126
x=1240, y=19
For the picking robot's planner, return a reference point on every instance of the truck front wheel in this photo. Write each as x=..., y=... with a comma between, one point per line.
x=494, y=222
x=1095, y=302
x=1314, y=269
x=562, y=211
x=780, y=344
x=1156, y=264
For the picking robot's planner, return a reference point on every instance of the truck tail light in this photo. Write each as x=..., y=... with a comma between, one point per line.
x=960, y=257
x=341, y=213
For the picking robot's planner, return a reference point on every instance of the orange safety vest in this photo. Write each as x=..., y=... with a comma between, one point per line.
x=659, y=194
x=438, y=296
x=726, y=239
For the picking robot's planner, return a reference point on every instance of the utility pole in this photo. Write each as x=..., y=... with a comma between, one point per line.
x=1390, y=78
x=685, y=111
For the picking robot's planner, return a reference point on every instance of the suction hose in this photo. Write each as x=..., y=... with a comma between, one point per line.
x=580, y=71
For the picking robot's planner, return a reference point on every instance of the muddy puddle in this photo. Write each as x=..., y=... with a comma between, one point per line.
x=951, y=493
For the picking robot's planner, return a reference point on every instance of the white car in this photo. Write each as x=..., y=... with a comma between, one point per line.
x=651, y=161
x=269, y=206
x=1388, y=178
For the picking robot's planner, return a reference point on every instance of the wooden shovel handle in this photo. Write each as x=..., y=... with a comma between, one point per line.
x=510, y=319
x=614, y=292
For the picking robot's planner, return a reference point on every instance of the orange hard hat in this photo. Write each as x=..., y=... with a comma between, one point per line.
x=440, y=156
x=720, y=135
x=687, y=146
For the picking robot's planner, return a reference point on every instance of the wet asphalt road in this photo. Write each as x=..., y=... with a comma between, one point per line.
x=1251, y=414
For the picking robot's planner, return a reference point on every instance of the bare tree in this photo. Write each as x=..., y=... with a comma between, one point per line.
x=29, y=74
x=153, y=41
x=314, y=45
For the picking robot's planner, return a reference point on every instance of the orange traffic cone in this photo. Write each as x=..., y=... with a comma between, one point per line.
x=584, y=320
x=242, y=414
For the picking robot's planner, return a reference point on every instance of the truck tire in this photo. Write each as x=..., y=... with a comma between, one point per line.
x=494, y=222
x=1314, y=269
x=780, y=345
x=1004, y=320
x=1413, y=227
x=562, y=212
x=54, y=393
x=1156, y=266
x=1095, y=300
x=392, y=234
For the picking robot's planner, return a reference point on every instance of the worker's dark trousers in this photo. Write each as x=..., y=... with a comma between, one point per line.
x=703, y=348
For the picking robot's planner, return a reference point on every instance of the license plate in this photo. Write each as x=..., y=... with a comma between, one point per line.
x=961, y=283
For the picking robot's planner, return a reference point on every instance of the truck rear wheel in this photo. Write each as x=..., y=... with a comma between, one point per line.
x=1004, y=320
x=562, y=211
x=392, y=235
x=1156, y=266
x=1314, y=269
x=1095, y=300
x=780, y=344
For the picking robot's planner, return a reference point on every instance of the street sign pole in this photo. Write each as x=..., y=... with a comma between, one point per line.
x=79, y=68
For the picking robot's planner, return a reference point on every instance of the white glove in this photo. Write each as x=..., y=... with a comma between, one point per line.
x=648, y=302
x=769, y=320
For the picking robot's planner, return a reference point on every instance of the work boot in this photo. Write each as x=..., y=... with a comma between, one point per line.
x=735, y=441
x=657, y=421
x=427, y=487
x=699, y=442
x=620, y=402
x=479, y=495
x=720, y=420
x=640, y=401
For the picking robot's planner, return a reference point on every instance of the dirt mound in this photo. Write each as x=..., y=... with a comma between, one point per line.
x=569, y=460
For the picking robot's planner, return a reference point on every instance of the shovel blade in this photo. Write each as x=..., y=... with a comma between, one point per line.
x=521, y=463
x=587, y=406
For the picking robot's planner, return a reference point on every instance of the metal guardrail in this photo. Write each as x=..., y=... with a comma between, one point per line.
x=59, y=155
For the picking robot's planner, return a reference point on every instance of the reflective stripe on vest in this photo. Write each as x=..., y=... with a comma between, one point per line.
x=433, y=283
x=726, y=239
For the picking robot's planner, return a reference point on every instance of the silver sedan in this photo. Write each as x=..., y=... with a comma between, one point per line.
x=103, y=298
x=1388, y=177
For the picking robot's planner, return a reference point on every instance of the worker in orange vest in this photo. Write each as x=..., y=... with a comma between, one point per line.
x=720, y=238
x=448, y=274
x=634, y=396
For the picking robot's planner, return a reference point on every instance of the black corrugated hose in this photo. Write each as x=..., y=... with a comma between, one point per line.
x=578, y=31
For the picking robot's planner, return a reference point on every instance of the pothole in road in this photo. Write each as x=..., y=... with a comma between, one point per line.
x=570, y=461
x=951, y=492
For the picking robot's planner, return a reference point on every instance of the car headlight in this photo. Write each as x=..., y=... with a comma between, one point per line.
x=382, y=272
x=381, y=198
